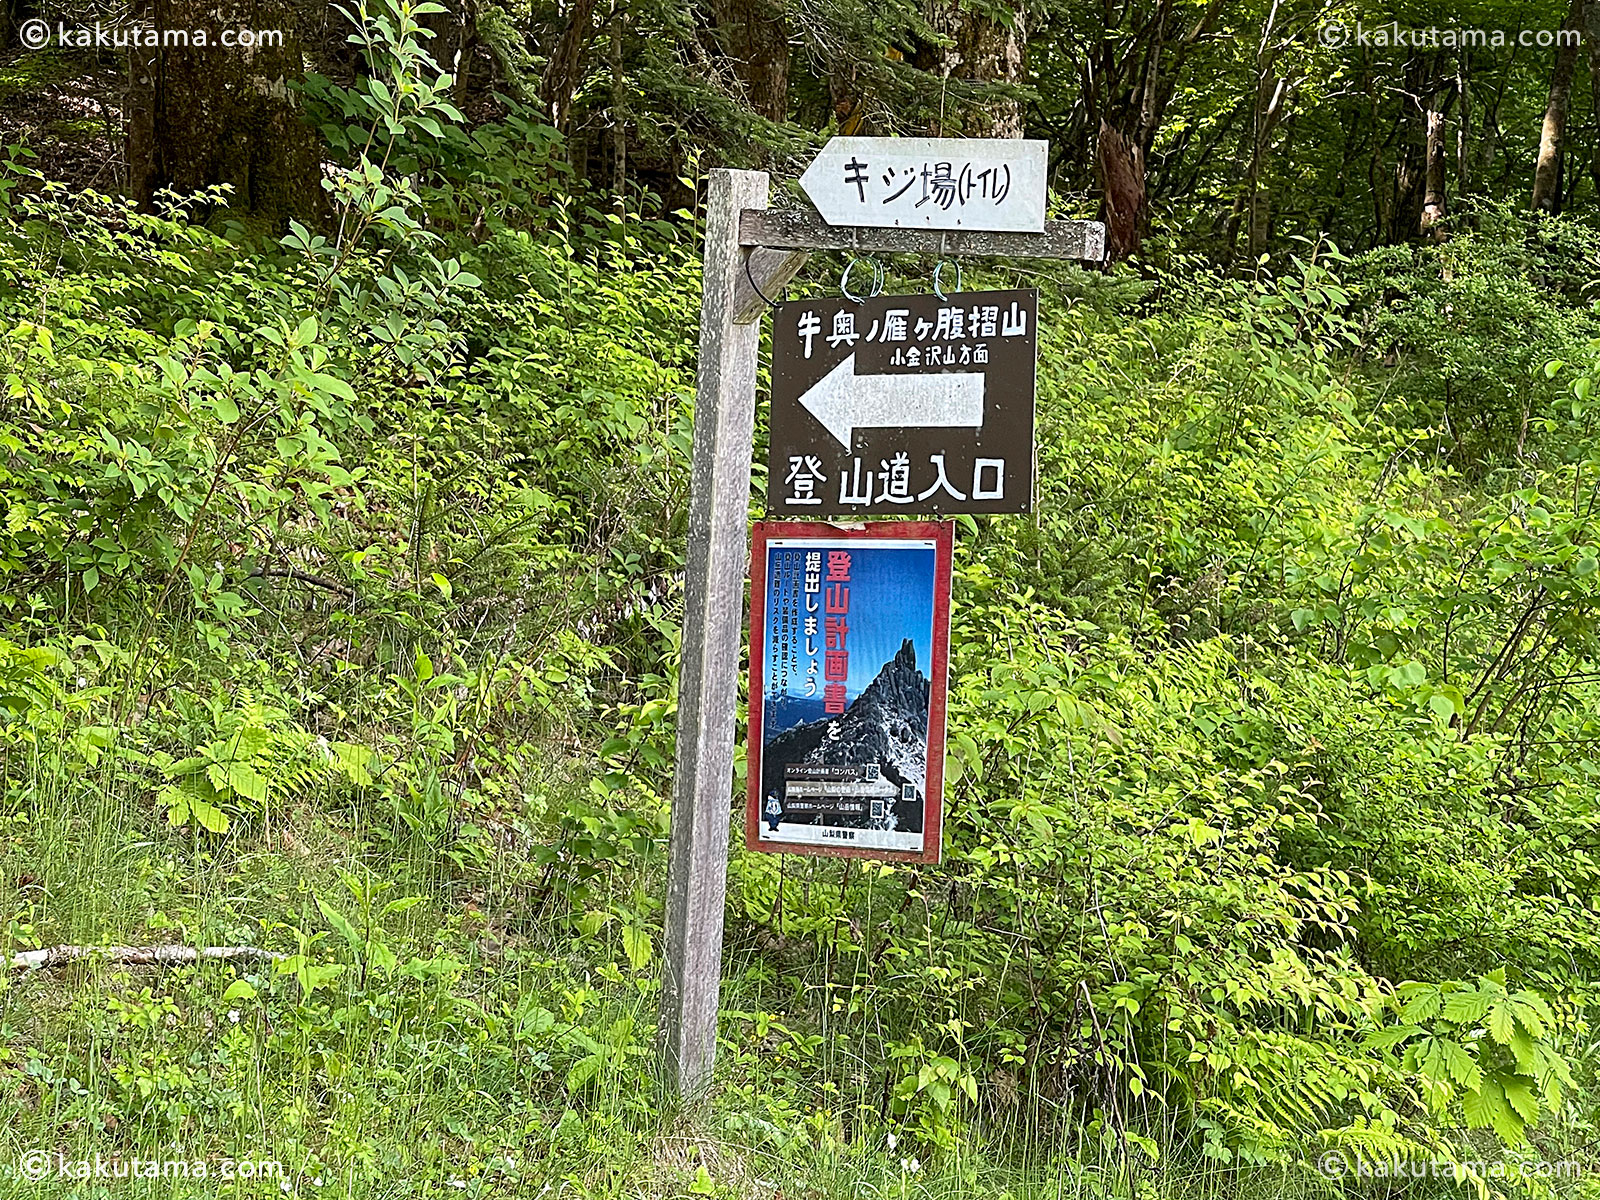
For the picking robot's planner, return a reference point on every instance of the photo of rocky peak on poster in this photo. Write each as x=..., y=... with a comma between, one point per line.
x=846, y=692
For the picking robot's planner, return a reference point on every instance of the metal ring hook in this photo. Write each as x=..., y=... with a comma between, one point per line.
x=876, y=286
x=937, y=271
x=844, y=282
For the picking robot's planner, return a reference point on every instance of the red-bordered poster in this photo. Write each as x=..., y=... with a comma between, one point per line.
x=849, y=657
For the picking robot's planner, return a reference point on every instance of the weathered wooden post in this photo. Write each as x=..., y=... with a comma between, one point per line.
x=719, y=510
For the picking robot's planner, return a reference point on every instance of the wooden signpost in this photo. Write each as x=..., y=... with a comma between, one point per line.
x=751, y=254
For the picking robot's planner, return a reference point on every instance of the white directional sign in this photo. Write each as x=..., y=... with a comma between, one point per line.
x=931, y=183
x=844, y=401
x=903, y=405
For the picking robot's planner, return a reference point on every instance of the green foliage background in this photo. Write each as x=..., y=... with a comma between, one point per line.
x=342, y=583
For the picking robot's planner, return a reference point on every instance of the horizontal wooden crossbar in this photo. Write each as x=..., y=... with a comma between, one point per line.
x=798, y=229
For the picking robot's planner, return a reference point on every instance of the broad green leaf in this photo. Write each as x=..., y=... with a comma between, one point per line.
x=382, y=958
x=209, y=817
x=593, y=921
x=1476, y=1106
x=1394, y=1035
x=1466, y=1006
x=1533, y=1012
x=247, y=782
x=1422, y=1004
x=1502, y=1025
x=1520, y=1096
x=1462, y=1069
x=341, y=924
x=355, y=761
x=636, y=942
x=248, y=742
x=582, y=1071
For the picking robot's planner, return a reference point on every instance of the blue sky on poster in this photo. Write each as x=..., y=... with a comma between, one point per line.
x=891, y=599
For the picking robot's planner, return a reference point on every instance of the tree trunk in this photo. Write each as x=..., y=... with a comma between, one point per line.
x=980, y=50
x=1270, y=95
x=755, y=35
x=1433, y=194
x=206, y=114
x=1119, y=166
x=619, y=127
x=1547, y=172
x=1126, y=95
x=1419, y=161
x=1591, y=40
x=564, y=71
x=468, y=39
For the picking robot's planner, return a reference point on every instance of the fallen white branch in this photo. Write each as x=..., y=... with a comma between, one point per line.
x=137, y=956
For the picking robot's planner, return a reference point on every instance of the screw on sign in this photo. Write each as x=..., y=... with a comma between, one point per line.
x=904, y=405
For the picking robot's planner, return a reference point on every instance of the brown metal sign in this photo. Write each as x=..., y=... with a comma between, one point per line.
x=902, y=405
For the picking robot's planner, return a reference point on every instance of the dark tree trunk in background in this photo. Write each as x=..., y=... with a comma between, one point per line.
x=12, y=14
x=1119, y=168
x=1591, y=41
x=981, y=49
x=467, y=40
x=202, y=115
x=754, y=34
x=1254, y=204
x=1433, y=192
x=564, y=71
x=1127, y=89
x=1419, y=159
x=619, y=111
x=1547, y=172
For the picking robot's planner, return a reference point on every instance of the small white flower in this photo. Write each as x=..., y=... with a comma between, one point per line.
x=893, y=1141
x=458, y=1183
x=233, y=1015
x=283, y=1183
